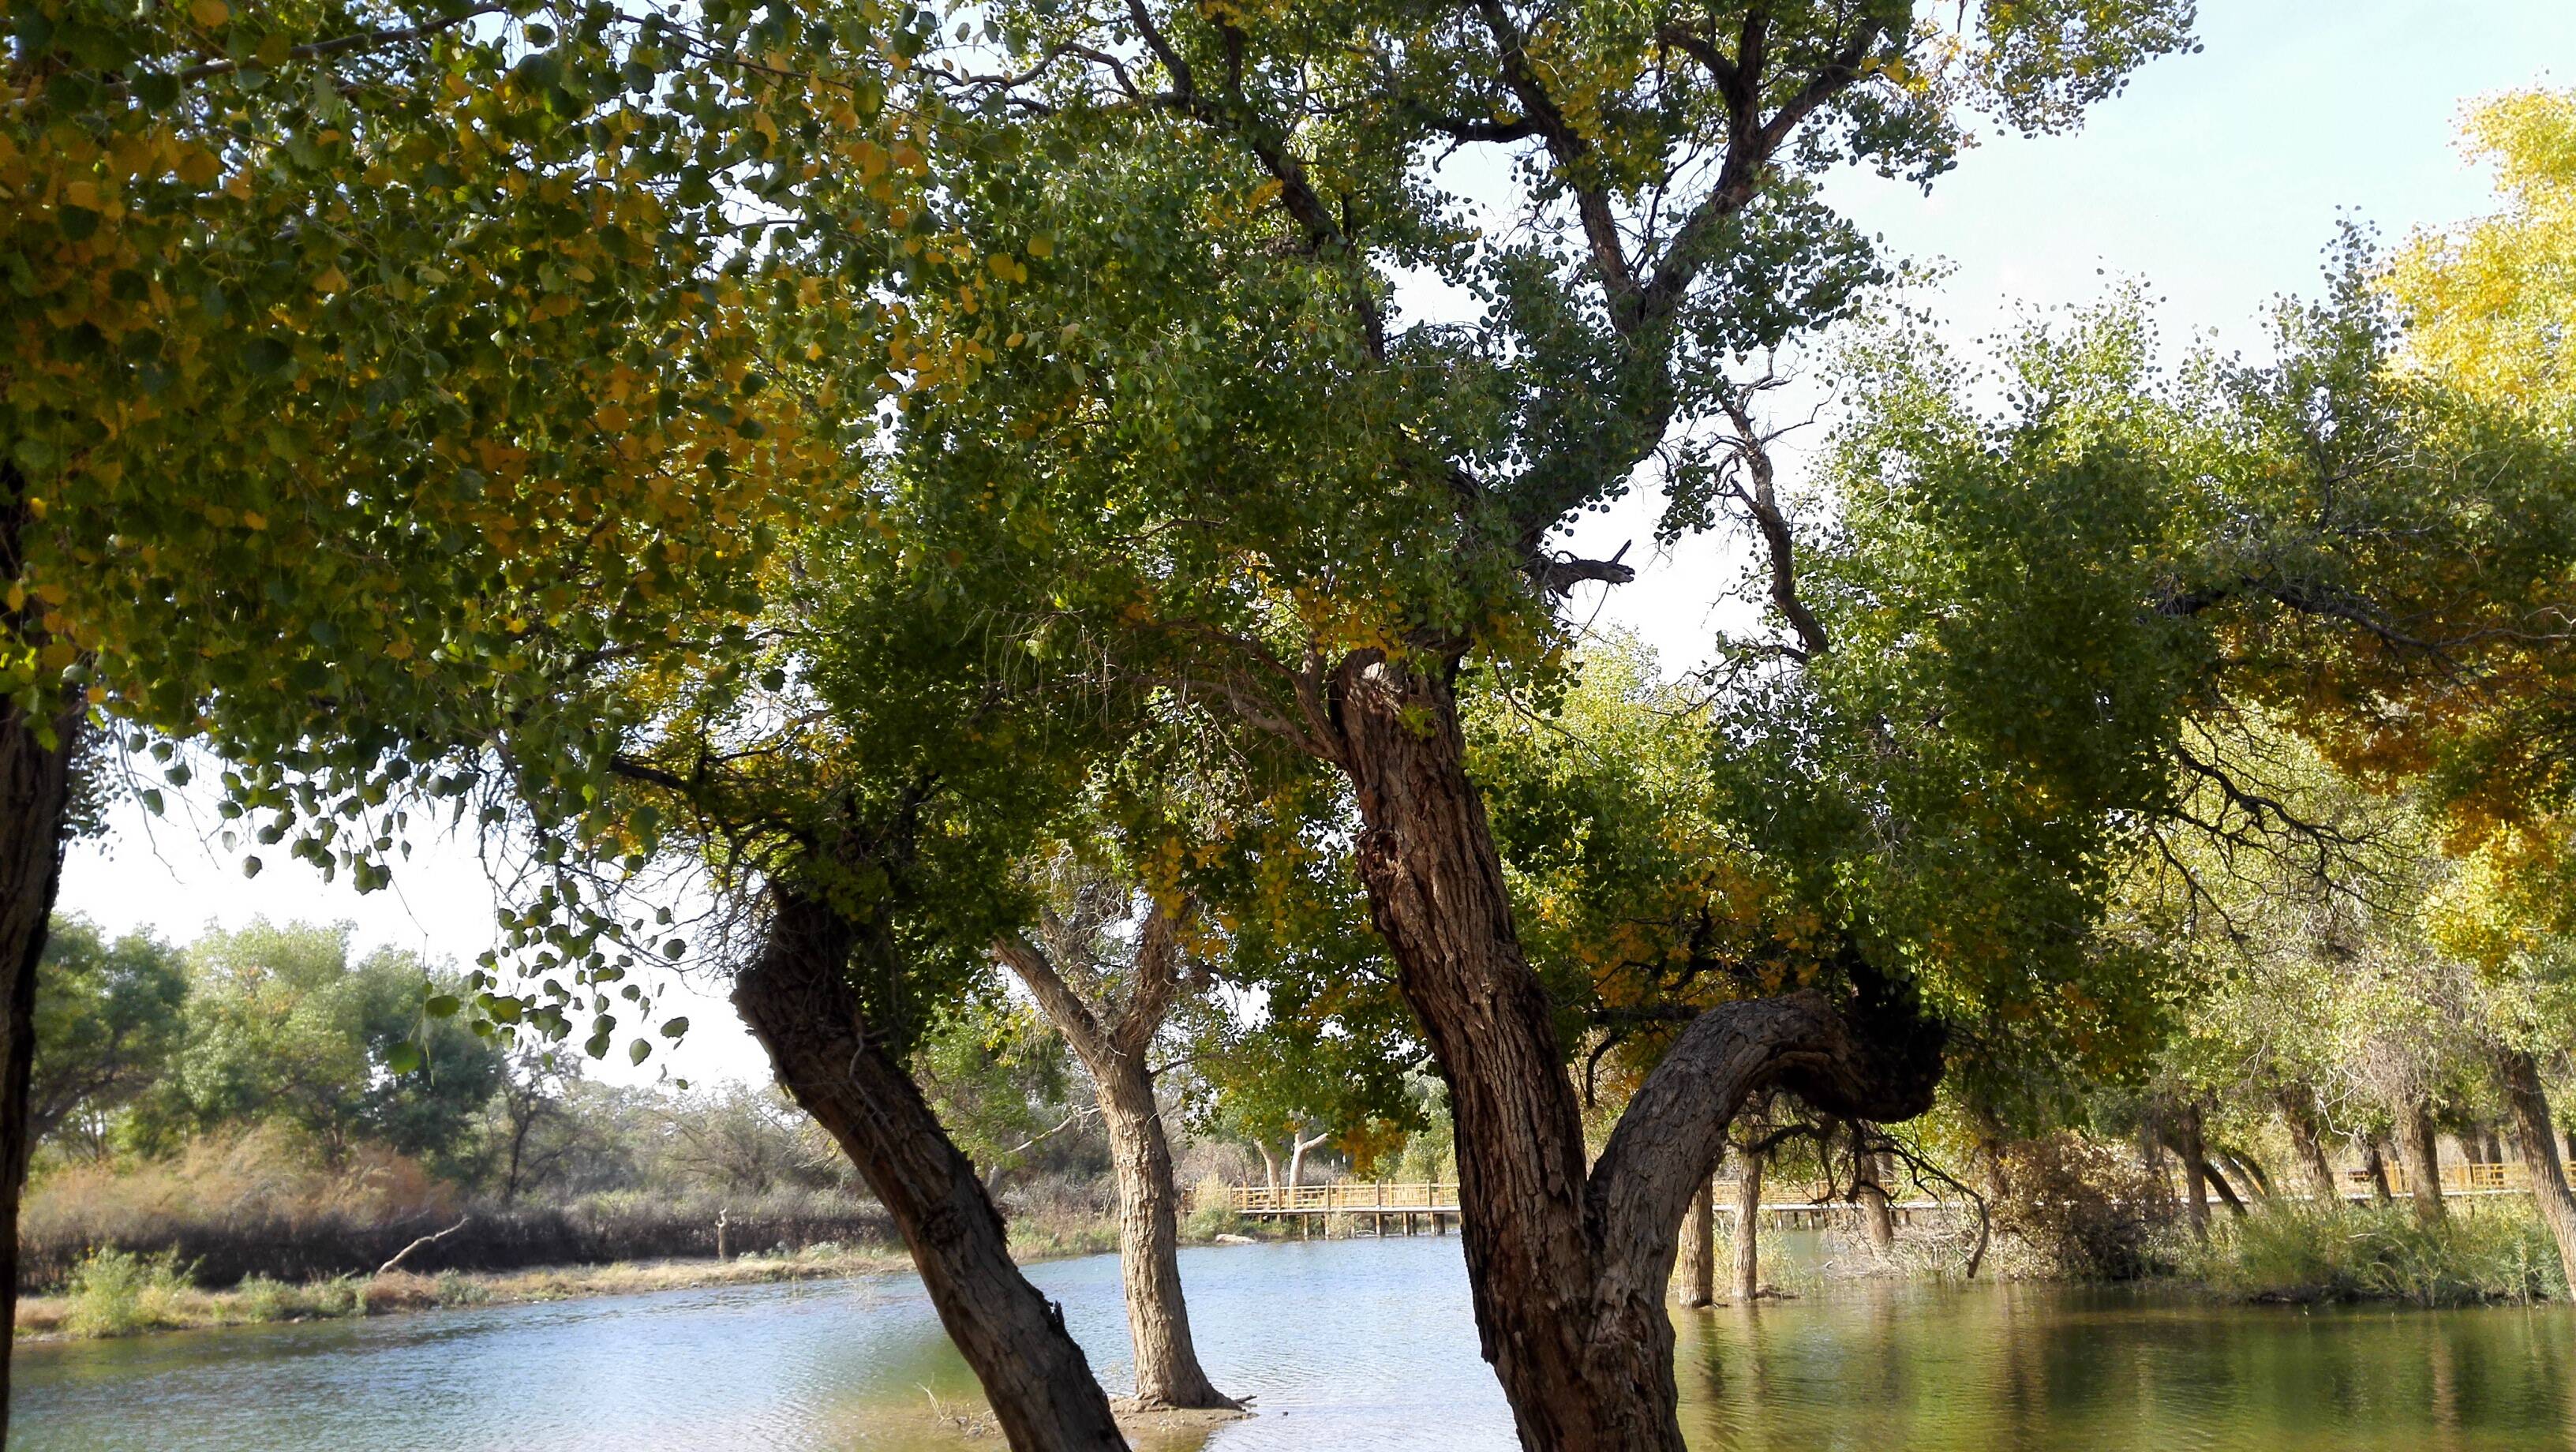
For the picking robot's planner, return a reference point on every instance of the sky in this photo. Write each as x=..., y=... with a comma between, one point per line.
x=2217, y=179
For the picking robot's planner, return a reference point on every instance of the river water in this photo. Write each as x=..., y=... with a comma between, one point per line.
x=1352, y=1343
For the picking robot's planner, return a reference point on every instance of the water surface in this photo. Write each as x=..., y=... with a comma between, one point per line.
x=1359, y=1344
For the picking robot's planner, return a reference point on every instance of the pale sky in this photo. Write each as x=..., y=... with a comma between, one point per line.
x=2217, y=179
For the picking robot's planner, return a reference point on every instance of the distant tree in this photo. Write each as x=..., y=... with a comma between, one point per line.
x=282, y=1027
x=108, y=1016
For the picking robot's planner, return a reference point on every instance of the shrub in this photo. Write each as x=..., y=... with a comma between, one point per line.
x=2500, y=1252
x=2083, y=1210
x=118, y=1293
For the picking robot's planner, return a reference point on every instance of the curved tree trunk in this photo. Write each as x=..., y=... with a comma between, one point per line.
x=2217, y=1179
x=2299, y=1114
x=1746, y=1272
x=1699, y=1249
x=1569, y=1265
x=797, y=999
x=2526, y=1102
x=35, y=795
x=2415, y=1142
x=1113, y=1042
x=1297, y=1148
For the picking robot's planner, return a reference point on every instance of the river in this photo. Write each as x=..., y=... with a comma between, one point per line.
x=1351, y=1343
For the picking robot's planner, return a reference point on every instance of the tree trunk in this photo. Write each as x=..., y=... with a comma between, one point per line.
x=35, y=796
x=1568, y=1266
x=2226, y=1192
x=2195, y=1169
x=1115, y=1044
x=1168, y=1373
x=2374, y=1166
x=2423, y=1158
x=2527, y=1119
x=1748, y=1231
x=1269, y=1164
x=1699, y=1249
x=2299, y=1115
x=1869, y=1191
x=798, y=1000
x=1297, y=1157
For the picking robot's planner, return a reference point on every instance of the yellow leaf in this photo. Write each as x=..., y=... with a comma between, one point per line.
x=254, y=519
x=331, y=280
x=210, y=13
x=1041, y=247
x=198, y=166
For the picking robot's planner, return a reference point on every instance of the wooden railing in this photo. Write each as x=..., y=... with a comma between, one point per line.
x=2457, y=1179
x=1359, y=1195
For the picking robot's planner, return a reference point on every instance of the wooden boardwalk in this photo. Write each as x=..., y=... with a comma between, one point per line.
x=1411, y=1207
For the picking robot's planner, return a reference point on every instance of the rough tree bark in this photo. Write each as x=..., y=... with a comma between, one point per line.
x=1699, y=1249
x=2517, y=1076
x=1869, y=1192
x=36, y=756
x=1113, y=1040
x=1569, y=1266
x=2423, y=1159
x=798, y=1000
x=2298, y=1113
x=1745, y=1268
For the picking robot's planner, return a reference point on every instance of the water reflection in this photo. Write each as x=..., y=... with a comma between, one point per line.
x=1344, y=1344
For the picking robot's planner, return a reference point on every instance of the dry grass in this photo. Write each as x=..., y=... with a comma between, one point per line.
x=114, y=1294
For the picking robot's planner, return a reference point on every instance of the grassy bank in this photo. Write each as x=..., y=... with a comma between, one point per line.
x=2496, y=1251
x=122, y=1293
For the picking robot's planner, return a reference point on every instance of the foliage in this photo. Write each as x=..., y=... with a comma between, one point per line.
x=116, y=1293
x=108, y=1020
x=281, y=1026
x=2489, y=301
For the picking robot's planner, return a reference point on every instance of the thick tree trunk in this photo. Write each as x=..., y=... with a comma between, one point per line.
x=798, y=1000
x=35, y=797
x=2415, y=1141
x=2195, y=1168
x=2527, y=1120
x=2226, y=1192
x=1569, y=1266
x=1168, y=1373
x=1115, y=1043
x=1699, y=1249
x=2299, y=1115
x=1269, y=1164
x=1746, y=1272
x=1869, y=1191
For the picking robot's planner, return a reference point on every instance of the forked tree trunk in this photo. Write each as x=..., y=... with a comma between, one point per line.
x=1114, y=1042
x=1699, y=1249
x=35, y=796
x=1568, y=1265
x=798, y=1000
x=1297, y=1148
x=2217, y=1179
x=2423, y=1160
x=1746, y=1271
x=2527, y=1120
x=2299, y=1115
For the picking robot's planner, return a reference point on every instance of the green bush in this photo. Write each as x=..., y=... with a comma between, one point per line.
x=2499, y=1252
x=118, y=1293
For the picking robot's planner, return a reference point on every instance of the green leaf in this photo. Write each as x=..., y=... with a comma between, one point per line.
x=442, y=1005
x=638, y=1051
x=673, y=1028
x=403, y=1058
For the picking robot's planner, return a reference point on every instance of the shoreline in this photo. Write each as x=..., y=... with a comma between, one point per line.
x=149, y=1297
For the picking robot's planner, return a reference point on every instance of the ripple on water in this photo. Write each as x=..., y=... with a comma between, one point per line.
x=1343, y=1344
